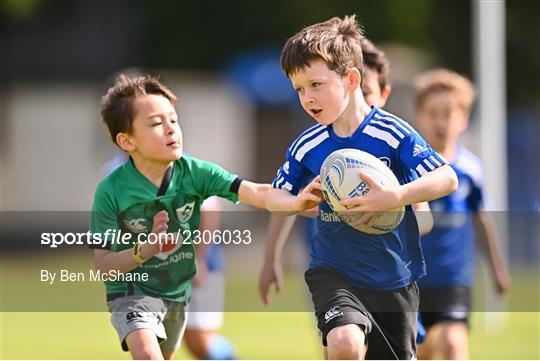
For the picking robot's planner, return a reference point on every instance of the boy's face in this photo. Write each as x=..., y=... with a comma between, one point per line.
x=372, y=89
x=440, y=119
x=322, y=92
x=156, y=133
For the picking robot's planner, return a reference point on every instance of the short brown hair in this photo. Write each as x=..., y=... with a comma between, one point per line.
x=117, y=104
x=375, y=58
x=336, y=42
x=444, y=80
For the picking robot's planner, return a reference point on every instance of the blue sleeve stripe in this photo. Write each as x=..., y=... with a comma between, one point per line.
x=397, y=119
x=308, y=140
x=406, y=128
x=428, y=164
x=435, y=160
x=278, y=182
x=434, y=164
x=288, y=186
x=305, y=135
x=440, y=158
x=306, y=147
x=385, y=125
x=421, y=170
x=383, y=135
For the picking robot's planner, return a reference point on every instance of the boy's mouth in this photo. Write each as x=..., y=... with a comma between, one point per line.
x=315, y=112
x=174, y=144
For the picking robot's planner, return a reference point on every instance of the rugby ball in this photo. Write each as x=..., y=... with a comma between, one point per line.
x=340, y=180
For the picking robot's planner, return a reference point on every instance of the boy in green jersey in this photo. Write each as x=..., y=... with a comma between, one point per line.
x=158, y=193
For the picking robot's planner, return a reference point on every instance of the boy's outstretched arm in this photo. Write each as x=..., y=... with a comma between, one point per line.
x=280, y=200
x=253, y=193
x=432, y=185
x=487, y=237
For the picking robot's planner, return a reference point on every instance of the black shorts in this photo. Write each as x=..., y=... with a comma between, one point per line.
x=452, y=303
x=388, y=318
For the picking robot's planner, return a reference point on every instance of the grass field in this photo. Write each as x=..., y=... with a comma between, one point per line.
x=256, y=335
x=276, y=335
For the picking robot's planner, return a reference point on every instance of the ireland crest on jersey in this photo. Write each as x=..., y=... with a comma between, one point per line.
x=185, y=212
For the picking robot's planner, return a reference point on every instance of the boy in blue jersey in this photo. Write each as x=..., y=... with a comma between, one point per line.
x=363, y=286
x=376, y=89
x=443, y=102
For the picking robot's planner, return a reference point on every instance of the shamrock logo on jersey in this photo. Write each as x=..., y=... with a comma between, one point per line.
x=185, y=212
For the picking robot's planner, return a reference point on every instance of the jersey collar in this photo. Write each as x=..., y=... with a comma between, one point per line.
x=356, y=133
x=147, y=183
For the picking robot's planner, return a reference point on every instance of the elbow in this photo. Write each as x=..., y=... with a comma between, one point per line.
x=425, y=224
x=265, y=191
x=268, y=203
x=99, y=267
x=453, y=182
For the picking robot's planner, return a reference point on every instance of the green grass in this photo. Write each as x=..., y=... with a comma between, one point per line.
x=255, y=335
x=84, y=335
x=275, y=335
x=518, y=338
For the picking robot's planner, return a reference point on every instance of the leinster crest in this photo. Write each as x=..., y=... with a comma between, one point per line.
x=185, y=212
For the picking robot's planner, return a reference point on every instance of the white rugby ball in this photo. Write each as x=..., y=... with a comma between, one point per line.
x=340, y=180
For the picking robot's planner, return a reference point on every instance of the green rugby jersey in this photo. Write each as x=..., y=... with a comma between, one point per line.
x=127, y=201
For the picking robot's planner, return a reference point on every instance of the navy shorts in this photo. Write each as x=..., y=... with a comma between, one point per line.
x=388, y=318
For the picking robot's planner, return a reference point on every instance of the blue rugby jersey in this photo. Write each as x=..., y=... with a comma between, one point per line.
x=449, y=248
x=380, y=262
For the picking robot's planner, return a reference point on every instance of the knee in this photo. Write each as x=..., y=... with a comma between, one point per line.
x=346, y=342
x=454, y=341
x=146, y=353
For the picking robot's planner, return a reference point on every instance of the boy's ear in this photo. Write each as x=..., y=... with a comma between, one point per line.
x=354, y=78
x=464, y=122
x=123, y=140
x=385, y=94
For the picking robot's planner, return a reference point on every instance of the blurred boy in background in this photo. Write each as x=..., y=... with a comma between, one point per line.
x=443, y=103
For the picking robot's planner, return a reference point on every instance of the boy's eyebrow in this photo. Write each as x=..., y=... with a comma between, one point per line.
x=159, y=114
x=312, y=80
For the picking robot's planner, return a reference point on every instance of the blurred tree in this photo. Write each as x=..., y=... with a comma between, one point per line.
x=65, y=38
x=204, y=34
x=522, y=54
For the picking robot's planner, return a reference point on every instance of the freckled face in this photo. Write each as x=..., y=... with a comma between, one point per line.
x=323, y=93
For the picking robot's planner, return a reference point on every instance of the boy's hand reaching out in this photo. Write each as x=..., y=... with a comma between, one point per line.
x=310, y=197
